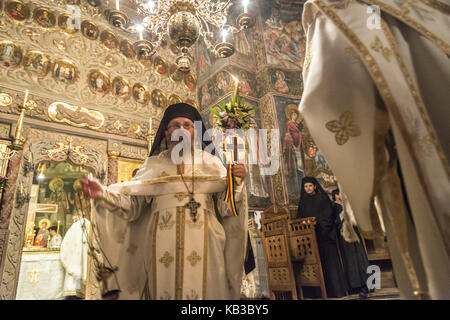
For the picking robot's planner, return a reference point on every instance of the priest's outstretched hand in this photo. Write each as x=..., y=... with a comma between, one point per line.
x=92, y=189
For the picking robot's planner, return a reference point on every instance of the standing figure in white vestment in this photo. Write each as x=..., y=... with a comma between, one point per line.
x=74, y=257
x=376, y=99
x=169, y=231
x=56, y=239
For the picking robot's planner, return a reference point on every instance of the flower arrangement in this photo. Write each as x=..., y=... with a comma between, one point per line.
x=234, y=115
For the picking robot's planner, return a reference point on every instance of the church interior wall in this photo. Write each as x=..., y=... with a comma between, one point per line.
x=88, y=85
x=268, y=62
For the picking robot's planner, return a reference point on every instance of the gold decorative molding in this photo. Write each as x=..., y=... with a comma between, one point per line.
x=61, y=151
x=69, y=82
x=126, y=168
x=121, y=125
x=5, y=99
x=75, y=115
x=113, y=154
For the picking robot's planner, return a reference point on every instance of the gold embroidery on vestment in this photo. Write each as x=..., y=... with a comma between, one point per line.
x=181, y=195
x=179, y=256
x=166, y=259
x=193, y=258
x=166, y=221
x=344, y=128
x=377, y=46
x=399, y=14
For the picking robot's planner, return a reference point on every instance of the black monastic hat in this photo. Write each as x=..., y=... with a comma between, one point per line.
x=174, y=111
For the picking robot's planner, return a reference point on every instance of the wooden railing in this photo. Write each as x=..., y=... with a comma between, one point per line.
x=292, y=255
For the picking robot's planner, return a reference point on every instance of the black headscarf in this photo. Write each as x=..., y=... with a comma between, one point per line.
x=174, y=111
x=316, y=205
x=319, y=189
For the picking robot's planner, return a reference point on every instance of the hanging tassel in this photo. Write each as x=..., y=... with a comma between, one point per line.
x=229, y=197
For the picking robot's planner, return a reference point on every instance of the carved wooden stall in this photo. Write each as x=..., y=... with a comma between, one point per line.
x=292, y=254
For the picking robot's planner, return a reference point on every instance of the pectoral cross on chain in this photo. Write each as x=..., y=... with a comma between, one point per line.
x=192, y=205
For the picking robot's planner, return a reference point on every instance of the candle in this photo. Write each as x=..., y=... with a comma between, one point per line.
x=26, y=98
x=245, y=2
x=150, y=136
x=236, y=88
x=117, y=5
x=140, y=29
x=150, y=128
x=21, y=188
x=224, y=35
x=57, y=228
x=151, y=6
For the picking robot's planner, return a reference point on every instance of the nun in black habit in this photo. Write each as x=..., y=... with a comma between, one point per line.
x=317, y=204
x=354, y=256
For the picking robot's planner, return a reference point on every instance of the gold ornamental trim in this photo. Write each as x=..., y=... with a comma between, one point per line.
x=438, y=5
x=432, y=138
x=179, y=255
x=75, y=116
x=205, y=253
x=402, y=16
x=5, y=99
x=178, y=179
x=154, y=267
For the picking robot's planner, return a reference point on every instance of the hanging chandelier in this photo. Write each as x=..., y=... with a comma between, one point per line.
x=183, y=22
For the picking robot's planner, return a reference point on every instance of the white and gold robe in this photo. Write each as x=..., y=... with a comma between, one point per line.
x=74, y=258
x=364, y=86
x=148, y=233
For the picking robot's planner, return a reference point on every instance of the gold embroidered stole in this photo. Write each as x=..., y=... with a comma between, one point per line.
x=180, y=252
x=378, y=51
x=427, y=17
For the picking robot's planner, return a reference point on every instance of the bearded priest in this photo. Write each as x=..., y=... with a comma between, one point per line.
x=169, y=231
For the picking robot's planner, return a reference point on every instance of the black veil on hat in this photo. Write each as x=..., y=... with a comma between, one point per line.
x=312, y=180
x=174, y=111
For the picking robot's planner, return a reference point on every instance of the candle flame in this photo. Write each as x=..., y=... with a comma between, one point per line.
x=236, y=79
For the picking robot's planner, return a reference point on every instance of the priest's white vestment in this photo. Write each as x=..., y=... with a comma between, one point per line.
x=74, y=258
x=376, y=101
x=161, y=251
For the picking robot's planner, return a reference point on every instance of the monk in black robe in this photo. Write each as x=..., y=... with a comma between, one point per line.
x=314, y=202
x=354, y=256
